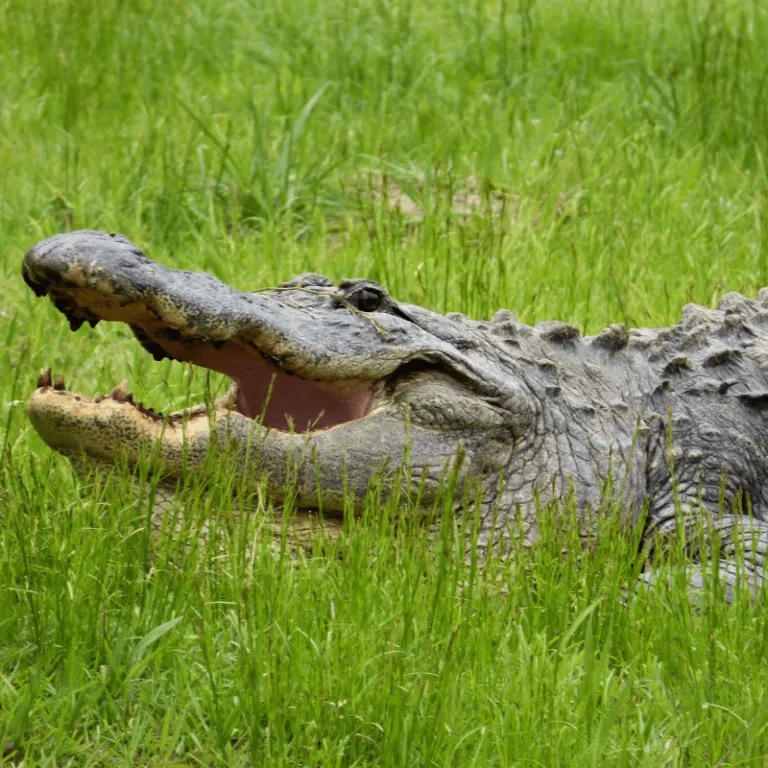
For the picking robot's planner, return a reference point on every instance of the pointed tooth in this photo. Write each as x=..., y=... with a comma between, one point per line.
x=63, y=305
x=75, y=323
x=44, y=379
x=121, y=393
x=146, y=411
x=59, y=384
x=93, y=321
x=38, y=288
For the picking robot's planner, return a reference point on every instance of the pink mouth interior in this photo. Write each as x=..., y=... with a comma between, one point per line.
x=296, y=402
x=291, y=402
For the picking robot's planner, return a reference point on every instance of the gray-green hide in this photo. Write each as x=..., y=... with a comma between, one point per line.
x=345, y=384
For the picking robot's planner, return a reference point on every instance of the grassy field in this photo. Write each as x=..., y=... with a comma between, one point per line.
x=590, y=162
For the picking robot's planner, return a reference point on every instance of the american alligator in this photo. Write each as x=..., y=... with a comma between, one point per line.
x=341, y=382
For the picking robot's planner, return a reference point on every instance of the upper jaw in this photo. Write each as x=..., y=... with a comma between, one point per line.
x=94, y=276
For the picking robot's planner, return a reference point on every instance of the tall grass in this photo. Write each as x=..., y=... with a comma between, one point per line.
x=614, y=155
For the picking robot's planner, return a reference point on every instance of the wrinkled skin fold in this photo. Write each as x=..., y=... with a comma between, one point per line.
x=346, y=386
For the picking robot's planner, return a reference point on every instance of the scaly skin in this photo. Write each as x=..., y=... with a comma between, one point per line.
x=669, y=418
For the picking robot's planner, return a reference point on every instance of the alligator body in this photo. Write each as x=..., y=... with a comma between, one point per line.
x=342, y=382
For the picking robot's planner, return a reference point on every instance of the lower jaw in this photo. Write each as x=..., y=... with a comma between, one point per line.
x=198, y=442
x=194, y=443
x=110, y=427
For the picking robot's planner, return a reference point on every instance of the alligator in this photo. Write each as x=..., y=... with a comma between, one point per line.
x=336, y=387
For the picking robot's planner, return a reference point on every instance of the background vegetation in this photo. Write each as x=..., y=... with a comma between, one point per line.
x=590, y=162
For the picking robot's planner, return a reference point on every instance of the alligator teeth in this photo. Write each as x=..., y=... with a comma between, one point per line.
x=44, y=379
x=65, y=306
x=121, y=393
x=39, y=288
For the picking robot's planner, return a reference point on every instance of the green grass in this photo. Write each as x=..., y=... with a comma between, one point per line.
x=628, y=144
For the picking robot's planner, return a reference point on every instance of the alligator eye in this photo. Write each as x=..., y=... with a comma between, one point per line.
x=366, y=299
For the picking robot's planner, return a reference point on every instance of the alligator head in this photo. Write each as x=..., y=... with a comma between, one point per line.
x=333, y=385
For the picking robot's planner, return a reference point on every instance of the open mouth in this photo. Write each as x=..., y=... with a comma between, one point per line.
x=279, y=399
x=288, y=370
